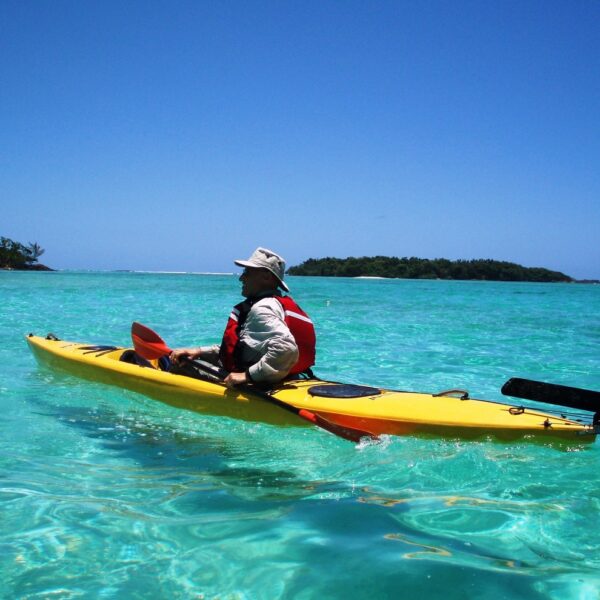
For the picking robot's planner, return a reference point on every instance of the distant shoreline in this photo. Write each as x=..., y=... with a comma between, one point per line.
x=36, y=267
x=580, y=281
x=172, y=272
x=359, y=277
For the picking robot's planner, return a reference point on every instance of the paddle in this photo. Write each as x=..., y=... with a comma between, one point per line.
x=552, y=393
x=149, y=345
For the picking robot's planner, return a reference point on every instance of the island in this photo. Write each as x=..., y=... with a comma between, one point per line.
x=423, y=268
x=15, y=256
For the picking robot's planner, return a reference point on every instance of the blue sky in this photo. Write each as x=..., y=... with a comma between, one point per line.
x=180, y=135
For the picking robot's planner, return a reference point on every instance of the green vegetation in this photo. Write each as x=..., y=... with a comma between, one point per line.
x=422, y=268
x=14, y=255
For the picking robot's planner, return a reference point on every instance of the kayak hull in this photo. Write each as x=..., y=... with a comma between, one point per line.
x=377, y=412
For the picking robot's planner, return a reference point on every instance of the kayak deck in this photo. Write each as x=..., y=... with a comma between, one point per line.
x=377, y=411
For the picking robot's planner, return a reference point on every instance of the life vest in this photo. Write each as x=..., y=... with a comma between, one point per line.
x=298, y=322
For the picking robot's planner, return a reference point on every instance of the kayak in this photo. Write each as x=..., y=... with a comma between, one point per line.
x=378, y=411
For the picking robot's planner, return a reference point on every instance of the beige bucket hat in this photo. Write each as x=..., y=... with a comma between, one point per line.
x=262, y=258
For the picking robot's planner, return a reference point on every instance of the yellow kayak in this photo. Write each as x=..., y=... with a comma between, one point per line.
x=377, y=411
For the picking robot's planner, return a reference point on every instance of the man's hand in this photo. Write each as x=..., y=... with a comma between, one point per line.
x=180, y=355
x=234, y=379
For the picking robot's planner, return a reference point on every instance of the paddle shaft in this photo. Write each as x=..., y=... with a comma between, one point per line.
x=150, y=345
x=348, y=433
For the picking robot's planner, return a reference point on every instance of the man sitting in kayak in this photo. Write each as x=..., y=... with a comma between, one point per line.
x=268, y=337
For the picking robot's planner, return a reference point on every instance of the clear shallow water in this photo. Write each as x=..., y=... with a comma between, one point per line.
x=108, y=494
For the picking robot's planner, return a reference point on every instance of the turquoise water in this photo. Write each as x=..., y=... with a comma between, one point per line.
x=107, y=494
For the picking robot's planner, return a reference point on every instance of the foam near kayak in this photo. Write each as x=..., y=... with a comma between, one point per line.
x=378, y=411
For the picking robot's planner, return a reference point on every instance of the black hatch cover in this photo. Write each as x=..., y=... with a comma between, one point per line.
x=343, y=390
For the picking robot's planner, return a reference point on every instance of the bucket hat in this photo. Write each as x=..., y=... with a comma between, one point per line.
x=262, y=258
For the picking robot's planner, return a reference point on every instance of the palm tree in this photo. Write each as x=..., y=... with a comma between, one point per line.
x=14, y=255
x=35, y=251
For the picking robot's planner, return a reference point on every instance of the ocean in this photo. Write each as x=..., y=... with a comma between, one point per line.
x=105, y=493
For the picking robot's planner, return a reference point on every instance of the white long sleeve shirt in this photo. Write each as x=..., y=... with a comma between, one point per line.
x=269, y=348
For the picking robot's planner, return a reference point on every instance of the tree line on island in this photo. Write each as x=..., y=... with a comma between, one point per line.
x=423, y=268
x=14, y=255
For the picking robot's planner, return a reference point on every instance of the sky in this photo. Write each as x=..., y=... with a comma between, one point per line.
x=178, y=136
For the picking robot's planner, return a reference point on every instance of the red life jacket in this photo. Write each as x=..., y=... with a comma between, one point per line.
x=296, y=319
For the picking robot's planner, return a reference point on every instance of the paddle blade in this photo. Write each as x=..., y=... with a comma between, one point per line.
x=552, y=393
x=145, y=333
x=348, y=433
x=147, y=343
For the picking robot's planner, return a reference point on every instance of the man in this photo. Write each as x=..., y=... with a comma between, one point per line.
x=268, y=336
